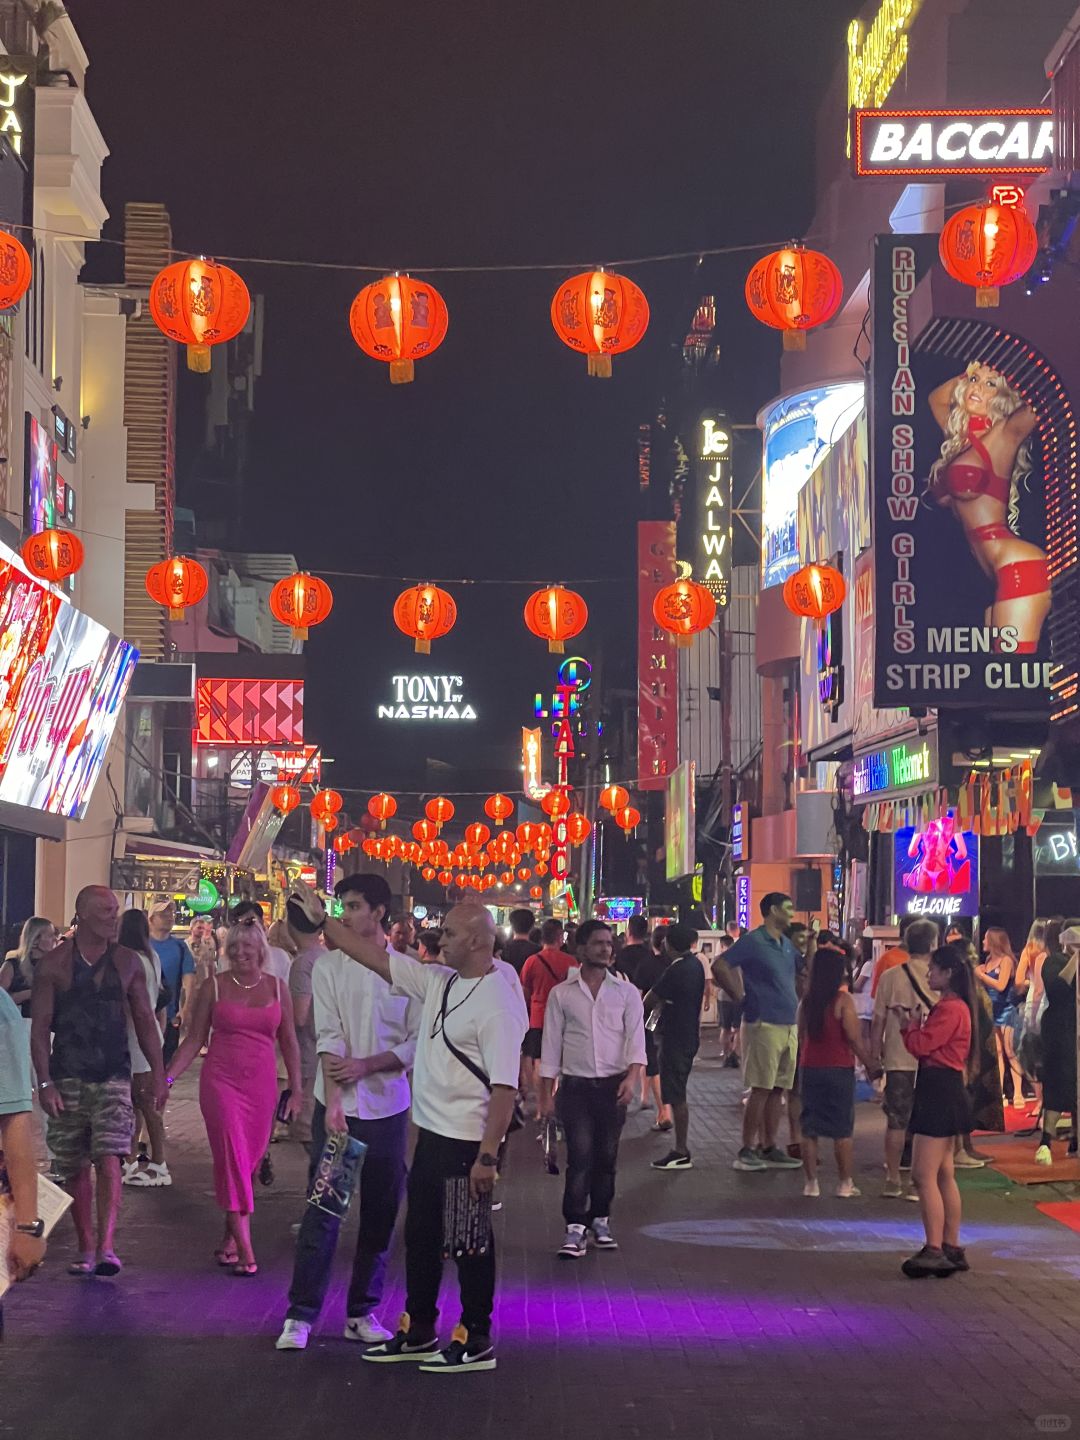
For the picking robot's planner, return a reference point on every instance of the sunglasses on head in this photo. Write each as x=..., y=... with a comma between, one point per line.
x=248, y=920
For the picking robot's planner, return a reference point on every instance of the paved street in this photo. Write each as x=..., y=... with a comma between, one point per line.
x=735, y=1307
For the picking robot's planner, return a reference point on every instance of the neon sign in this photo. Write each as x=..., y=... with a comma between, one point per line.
x=427, y=697
x=713, y=561
x=877, y=55
x=742, y=901
x=11, y=102
x=899, y=768
x=953, y=142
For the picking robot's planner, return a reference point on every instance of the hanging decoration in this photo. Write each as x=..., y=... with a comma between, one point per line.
x=815, y=591
x=53, y=555
x=444, y=877
x=987, y=246
x=684, y=610
x=398, y=320
x=627, y=818
x=498, y=808
x=536, y=892
x=344, y=843
x=176, y=583
x=556, y=802
x=793, y=290
x=206, y=898
x=527, y=834
x=425, y=831
x=599, y=314
x=16, y=270
x=300, y=601
x=578, y=828
x=477, y=834
x=614, y=797
x=199, y=303
x=370, y=847
x=540, y=868
x=428, y=872
x=324, y=806
x=439, y=811
x=424, y=613
x=285, y=798
x=556, y=615
x=383, y=807
x=524, y=873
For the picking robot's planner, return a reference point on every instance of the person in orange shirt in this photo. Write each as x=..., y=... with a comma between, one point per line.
x=539, y=975
x=897, y=955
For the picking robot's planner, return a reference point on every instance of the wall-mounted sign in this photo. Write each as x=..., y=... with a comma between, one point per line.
x=877, y=53
x=1055, y=849
x=712, y=542
x=17, y=106
x=276, y=765
x=910, y=765
x=531, y=763
x=618, y=907
x=155, y=877
x=427, y=697
x=936, y=870
x=742, y=901
x=830, y=662
x=658, y=679
x=680, y=823
x=953, y=142
x=740, y=832
x=960, y=509
x=249, y=712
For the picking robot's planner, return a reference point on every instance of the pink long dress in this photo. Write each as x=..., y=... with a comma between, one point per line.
x=238, y=1094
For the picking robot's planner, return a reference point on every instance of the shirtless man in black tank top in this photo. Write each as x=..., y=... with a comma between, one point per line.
x=83, y=991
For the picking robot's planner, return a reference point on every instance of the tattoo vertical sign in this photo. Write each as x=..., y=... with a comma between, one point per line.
x=961, y=581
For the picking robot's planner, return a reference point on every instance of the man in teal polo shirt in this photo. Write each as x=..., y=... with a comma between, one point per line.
x=767, y=963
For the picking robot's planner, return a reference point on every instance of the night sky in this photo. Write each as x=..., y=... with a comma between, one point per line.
x=412, y=135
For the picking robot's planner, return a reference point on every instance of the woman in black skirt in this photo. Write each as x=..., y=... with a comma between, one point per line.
x=942, y=1046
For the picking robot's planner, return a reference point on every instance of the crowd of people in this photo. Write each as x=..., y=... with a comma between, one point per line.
x=343, y=1028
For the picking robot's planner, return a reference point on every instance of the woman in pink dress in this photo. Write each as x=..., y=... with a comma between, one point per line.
x=239, y=1015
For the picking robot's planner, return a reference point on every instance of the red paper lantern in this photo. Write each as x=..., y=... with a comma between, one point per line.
x=499, y=808
x=987, y=246
x=578, y=828
x=614, y=797
x=439, y=811
x=793, y=290
x=527, y=834
x=300, y=601
x=428, y=872
x=53, y=554
x=556, y=802
x=371, y=847
x=199, y=303
x=506, y=877
x=627, y=818
x=815, y=591
x=344, y=843
x=556, y=615
x=176, y=583
x=330, y=823
x=461, y=881
x=382, y=807
x=285, y=798
x=543, y=836
x=524, y=873
x=444, y=877
x=537, y=892
x=477, y=834
x=398, y=320
x=684, y=610
x=599, y=314
x=424, y=831
x=16, y=270
x=325, y=805
x=424, y=613
x=540, y=868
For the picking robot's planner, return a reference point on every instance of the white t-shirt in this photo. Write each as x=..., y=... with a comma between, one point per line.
x=357, y=1014
x=152, y=970
x=486, y=1020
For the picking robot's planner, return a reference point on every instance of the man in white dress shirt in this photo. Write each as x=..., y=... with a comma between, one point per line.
x=594, y=1042
x=365, y=1037
x=465, y=1081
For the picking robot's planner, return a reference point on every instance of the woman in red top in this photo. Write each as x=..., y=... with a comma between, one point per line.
x=942, y=1046
x=830, y=1037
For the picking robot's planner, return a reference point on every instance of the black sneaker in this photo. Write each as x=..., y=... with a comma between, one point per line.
x=398, y=1348
x=731, y=1063
x=674, y=1160
x=928, y=1262
x=266, y=1171
x=462, y=1354
x=955, y=1255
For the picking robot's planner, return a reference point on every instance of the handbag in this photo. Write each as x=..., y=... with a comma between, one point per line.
x=517, y=1119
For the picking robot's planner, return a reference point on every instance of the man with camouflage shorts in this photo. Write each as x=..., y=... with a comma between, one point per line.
x=83, y=992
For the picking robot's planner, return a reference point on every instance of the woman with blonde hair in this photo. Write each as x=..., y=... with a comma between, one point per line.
x=997, y=973
x=240, y=1015
x=17, y=972
x=983, y=460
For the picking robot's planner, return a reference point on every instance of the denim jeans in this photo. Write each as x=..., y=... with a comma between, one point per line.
x=382, y=1181
x=593, y=1120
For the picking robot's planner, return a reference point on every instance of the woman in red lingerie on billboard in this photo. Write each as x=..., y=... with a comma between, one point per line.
x=983, y=461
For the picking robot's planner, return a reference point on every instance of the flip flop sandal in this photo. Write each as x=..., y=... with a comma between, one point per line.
x=226, y=1258
x=245, y=1271
x=82, y=1267
x=108, y=1265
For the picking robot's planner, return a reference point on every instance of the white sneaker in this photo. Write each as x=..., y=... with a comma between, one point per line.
x=848, y=1190
x=294, y=1335
x=151, y=1177
x=1044, y=1155
x=129, y=1171
x=367, y=1330
x=812, y=1189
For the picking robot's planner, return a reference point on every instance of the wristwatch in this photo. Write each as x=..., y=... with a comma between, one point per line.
x=36, y=1228
x=490, y=1161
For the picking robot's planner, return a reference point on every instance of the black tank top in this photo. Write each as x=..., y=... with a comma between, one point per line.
x=19, y=981
x=90, y=1023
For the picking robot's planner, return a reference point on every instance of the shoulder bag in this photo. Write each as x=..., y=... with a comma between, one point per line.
x=517, y=1119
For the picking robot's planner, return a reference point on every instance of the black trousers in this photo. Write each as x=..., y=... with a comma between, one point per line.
x=593, y=1120
x=438, y=1158
x=382, y=1180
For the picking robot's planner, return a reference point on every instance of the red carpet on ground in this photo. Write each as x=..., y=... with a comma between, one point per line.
x=1016, y=1161
x=1065, y=1211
